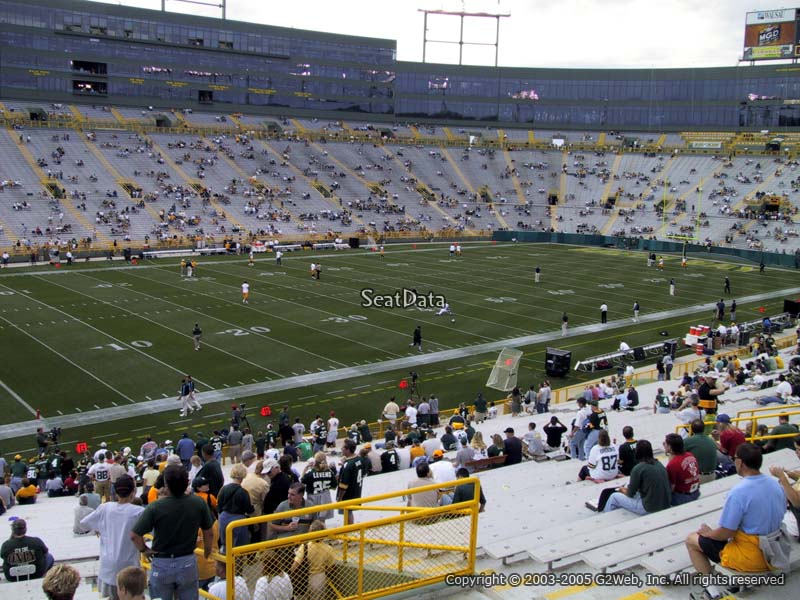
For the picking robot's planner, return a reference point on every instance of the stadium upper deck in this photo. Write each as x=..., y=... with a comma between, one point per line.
x=66, y=50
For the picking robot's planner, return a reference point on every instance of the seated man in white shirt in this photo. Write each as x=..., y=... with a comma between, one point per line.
x=442, y=470
x=623, y=347
x=784, y=389
x=602, y=462
x=534, y=446
x=758, y=380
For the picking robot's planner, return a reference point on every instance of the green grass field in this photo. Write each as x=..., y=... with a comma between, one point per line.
x=100, y=336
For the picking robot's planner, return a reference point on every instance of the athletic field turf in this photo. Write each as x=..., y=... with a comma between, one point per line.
x=101, y=348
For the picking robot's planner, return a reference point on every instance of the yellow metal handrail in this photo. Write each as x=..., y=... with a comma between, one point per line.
x=357, y=534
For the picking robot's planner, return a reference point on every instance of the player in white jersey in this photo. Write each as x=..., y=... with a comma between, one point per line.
x=245, y=292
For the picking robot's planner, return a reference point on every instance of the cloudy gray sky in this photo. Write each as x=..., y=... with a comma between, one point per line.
x=564, y=33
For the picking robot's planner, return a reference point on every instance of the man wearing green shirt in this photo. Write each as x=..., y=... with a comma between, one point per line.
x=704, y=449
x=783, y=427
x=648, y=490
x=174, y=521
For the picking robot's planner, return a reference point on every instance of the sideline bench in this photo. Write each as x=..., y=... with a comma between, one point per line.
x=288, y=247
x=330, y=246
x=167, y=253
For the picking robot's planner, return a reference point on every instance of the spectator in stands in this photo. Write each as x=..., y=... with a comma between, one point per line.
x=441, y=468
x=448, y=440
x=533, y=444
x=281, y=528
x=424, y=477
x=603, y=461
x=578, y=435
x=61, y=582
x=27, y=493
x=512, y=447
x=319, y=479
x=54, y=485
x=219, y=589
x=6, y=493
x=627, y=451
x=317, y=558
x=211, y=470
x=464, y=492
x=174, y=521
x=478, y=446
x=234, y=504
x=662, y=402
x=704, y=450
x=390, y=411
x=496, y=448
x=390, y=461
x=751, y=516
x=683, y=471
x=690, y=411
x=131, y=582
x=729, y=436
x=350, y=476
x=113, y=521
x=648, y=490
x=782, y=428
x=82, y=510
x=93, y=499
x=792, y=490
x=595, y=422
x=554, y=430
x=431, y=443
x=21, y=550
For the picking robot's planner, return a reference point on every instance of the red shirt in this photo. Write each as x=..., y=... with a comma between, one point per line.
x=684, y=473
x=730, y=439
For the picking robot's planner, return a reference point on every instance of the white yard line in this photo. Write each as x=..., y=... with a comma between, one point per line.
x=67, y=359
x=17, y=397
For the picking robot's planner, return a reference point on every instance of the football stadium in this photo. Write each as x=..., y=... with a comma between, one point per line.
x=267, y=294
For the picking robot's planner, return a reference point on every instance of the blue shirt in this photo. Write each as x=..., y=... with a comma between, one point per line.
x=755, y=506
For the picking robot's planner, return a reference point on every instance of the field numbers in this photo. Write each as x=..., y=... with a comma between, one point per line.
x=655, y=280
x=693, y=275
x=339, y=269
x=346, y=319
x=248, y=331
x=502, y=299
x=495, y=257
x=610, y=286
x=561, y=292
x=111, y=285
x=118, y=348
x=270, y=274
x=396, y=264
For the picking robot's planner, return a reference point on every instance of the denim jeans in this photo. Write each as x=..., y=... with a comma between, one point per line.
x=678, y=498
x=576, y=445
x=620, y=500
x=174, y=578
x=591, y=441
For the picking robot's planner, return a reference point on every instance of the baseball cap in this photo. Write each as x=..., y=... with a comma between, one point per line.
x=199, y=482
x=248, y=455
x=168, y=442
x=269, y=464
x=173, y=459
x=103, y=445
x=508, y=430
x=19, y=526
x=368, y=446
x=712, y=374
x=723, y=418
x=18, y=457
x=438, y=452
x=458, y=425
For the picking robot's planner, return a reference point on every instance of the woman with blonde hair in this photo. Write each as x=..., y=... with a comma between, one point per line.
x=313, y=559
x=478, y=445
x=319, y=479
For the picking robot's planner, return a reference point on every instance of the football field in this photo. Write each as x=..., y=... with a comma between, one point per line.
x=101, y=348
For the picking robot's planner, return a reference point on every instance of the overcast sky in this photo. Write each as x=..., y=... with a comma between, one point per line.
x=562, y=33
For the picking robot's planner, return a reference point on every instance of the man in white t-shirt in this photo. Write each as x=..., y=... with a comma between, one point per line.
x=442, y=470
x=532, y=439
x=431, y=444
x=240, y=590
x=333, y=430
x=411, y=414
x=784, y=388
x=245, y=292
